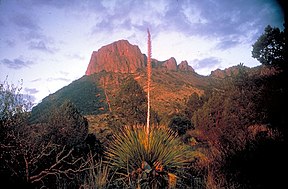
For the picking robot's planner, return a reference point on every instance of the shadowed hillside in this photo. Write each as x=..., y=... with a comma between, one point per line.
x=84, y=93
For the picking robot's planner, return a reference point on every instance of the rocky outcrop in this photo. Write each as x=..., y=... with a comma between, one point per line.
x=183, y=66
x=119, y=56
x=218, y=73
x=122, y=57
x=234, y=70
x=170, y=64
x=261, y=70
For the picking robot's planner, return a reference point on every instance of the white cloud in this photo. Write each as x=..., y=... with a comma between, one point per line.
x=16, y=63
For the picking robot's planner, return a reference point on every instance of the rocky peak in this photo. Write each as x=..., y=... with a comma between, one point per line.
x=119, y=56
x=233, y=70
x=170, y=64
x=122, y=57
x=183, y=66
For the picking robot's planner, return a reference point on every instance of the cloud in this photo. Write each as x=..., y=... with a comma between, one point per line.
x=55, y=3
x=226, y=44
x=213, y=19
x=174, y=17
x=118, y=16
x=220, y=19
x=31, y=90
x=36, y=80
x=235, y=18
x=17, y=63
x=25, y=22
x=30, y=32
x=10, y=43
x=75, y=56
x=41, y=46
x=1, y=22
x=58, y=79
x=33, y=35
x=206, y=62
x=64, y=73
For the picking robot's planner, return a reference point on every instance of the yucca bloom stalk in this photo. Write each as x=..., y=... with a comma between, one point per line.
x=148, y=87
x=148, y=157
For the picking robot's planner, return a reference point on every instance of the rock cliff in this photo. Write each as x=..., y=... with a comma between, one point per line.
x=183, y=66
x=122, y=57
x=119, y=56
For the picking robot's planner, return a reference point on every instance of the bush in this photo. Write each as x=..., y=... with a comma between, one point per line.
x=180, y=124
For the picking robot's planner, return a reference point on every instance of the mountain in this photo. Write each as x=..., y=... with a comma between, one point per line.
x=83, y=93
x=119, y=56
x=122, y=57
x=172, y=83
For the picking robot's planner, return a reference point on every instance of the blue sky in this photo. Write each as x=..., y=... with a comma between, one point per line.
x=48, y=43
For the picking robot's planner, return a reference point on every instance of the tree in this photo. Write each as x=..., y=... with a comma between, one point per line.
x=29, y=155
x=13, y=115
x=66, y=125
x=12, y=102
x=131, y=103
x=269, y=49
x=231, y=123
x=180, y=124
x=193, y=103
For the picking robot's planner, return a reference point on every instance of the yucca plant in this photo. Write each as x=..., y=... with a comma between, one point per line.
x=97, y=174
x=155, y=165
x=148, y=157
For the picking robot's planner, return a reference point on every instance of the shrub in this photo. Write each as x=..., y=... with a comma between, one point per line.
x=180, y=124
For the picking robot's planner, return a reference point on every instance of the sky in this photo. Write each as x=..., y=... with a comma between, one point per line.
x=47, y=44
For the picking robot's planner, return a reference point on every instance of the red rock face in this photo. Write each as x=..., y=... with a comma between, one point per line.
x=119, y=56
x=183, y=66
x=234, y=70
x=170, y=64
x=122, y=57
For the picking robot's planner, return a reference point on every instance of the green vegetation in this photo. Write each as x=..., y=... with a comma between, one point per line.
x=158, y=164
x=66, y=125
x=180, y=124
x=40, y=155
x=88, y=93
x=131, y=98
x=84, y=93
x=225, y=123
x=270, y=48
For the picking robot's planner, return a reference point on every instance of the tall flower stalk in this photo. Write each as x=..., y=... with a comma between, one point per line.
x=148, y=87
x=145, y=157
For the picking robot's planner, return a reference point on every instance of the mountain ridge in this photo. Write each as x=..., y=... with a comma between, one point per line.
x=172, y=83
x=123, y=57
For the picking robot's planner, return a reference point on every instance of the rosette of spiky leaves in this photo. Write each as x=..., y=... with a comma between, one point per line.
x=165, y=154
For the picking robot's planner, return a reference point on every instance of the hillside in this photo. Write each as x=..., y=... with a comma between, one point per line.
x=110, y=65
x=232, y=120
x=172, y=83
